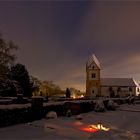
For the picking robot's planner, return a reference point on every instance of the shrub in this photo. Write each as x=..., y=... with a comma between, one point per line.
x=51, y=115
x=99, y=106
x=111, y=105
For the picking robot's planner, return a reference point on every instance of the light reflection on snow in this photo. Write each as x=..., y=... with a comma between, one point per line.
x=90, y=128
x=100, y=127
x=95, y=128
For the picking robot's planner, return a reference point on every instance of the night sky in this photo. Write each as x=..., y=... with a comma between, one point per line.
x=56, y=38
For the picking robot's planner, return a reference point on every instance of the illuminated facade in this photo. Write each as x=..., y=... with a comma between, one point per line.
x=93, y=83
x=109, y=87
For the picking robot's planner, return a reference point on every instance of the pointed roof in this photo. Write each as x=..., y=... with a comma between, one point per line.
x=94, y=59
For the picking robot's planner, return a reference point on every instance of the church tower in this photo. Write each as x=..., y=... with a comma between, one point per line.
x=93, y=87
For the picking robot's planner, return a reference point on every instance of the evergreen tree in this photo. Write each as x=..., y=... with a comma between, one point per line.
x=20, y=74
x=68, y=93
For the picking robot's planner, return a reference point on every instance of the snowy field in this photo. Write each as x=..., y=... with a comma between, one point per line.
x=123, y=124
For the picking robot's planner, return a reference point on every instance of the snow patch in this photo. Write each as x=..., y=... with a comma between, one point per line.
x=51, y=115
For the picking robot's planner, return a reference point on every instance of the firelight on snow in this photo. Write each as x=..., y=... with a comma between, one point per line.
x=99, y=127
x=95, y=128
x=88, y=129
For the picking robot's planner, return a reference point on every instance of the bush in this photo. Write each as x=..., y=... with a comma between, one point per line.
x=111, y=105
x=74, y=107
x=99, y=106
x=69, y=113
x=79, y=117
x=51, y=115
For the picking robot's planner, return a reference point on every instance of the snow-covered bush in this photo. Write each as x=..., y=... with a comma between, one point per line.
x=131, y=100
x=68, y=113
x=6, y=87
x=51, y=115
x=99, y=106
x=111, y=105
x=79, y=117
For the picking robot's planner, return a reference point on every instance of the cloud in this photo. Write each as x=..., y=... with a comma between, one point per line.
x=112, y=33
x=127, y=67
x=56, y=38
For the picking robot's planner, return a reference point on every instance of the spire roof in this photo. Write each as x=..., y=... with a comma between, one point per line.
x=94, y=59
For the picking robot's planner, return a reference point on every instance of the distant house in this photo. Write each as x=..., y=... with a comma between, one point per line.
x=109, y=87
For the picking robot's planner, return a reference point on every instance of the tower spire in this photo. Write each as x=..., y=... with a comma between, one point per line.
x=93, y=77
x=93, y=59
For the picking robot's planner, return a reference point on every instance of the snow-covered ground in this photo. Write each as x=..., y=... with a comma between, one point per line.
x=124, y=124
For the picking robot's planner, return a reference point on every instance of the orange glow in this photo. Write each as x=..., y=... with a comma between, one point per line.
x=88, y=129
x=94, y=128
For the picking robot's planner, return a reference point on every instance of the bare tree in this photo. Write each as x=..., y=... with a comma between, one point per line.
x=6, y=56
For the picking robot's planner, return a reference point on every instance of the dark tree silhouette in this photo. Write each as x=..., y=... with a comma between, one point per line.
x=67, y=93
x=111, y=92
x=7, y=85
x=20, y=74
x=6, y=56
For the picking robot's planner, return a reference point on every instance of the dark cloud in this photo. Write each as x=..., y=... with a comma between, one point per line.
x=57, y=37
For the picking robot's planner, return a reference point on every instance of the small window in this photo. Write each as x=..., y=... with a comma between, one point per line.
x=130, y=89
x=93, y=75
x=92, y=91
x=138, y=90
x=119, y=89
x=93, y=67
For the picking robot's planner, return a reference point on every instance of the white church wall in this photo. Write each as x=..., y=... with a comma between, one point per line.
x=105, y=92
x=137, y=91
x=124, y=91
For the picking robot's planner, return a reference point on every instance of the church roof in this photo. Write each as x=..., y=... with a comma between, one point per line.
x=94, y=59
x=118, y=82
